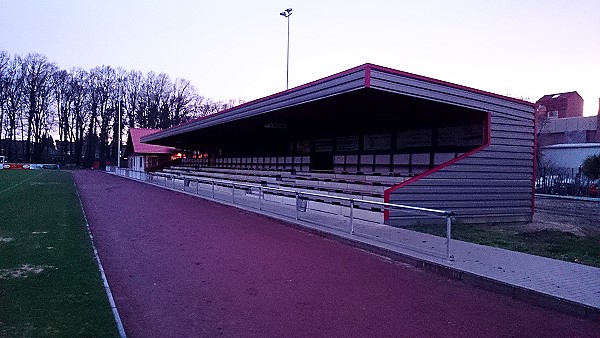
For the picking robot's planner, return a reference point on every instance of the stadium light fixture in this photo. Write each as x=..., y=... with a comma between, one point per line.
x=286, y=14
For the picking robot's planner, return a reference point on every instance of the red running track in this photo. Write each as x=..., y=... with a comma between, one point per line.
x=180, y=266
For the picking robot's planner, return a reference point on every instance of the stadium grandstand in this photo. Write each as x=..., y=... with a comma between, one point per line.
x=375, y=133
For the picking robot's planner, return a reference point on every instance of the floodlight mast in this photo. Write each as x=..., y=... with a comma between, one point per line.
x=119, y=129
x=287, y=13
x=119, y=138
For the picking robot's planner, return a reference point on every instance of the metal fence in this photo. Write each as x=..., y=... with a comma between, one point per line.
x=562, y=181
x=289, y=203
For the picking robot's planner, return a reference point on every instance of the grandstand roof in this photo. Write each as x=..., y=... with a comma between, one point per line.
x=359, y=86
x=135, y=134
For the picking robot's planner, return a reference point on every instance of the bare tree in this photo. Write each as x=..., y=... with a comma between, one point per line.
x=152, y=109
x=142, y=114
x=180, y=102
x=133, y=87
x=80, y=114
x=38, y=88
x=101, y=86
x=204, y=107
x=63, y=99
x=92, y=105
x=14, y=100
x=37, y=100
x=4, y=73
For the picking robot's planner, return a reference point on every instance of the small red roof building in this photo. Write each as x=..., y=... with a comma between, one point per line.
x=142, y=156
x=135, y=134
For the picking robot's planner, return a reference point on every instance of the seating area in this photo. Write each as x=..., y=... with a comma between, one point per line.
x=379, y=165
x=299, y=163
x=362, y=186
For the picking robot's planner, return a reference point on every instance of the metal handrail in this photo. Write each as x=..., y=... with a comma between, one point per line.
x=241, y=184
x=299, y=194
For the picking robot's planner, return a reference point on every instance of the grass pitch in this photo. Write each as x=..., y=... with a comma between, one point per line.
x=49, y=279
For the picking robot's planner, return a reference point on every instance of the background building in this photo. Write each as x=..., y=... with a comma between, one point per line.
x=141, y=156
x=560, y=105
x=562, y=141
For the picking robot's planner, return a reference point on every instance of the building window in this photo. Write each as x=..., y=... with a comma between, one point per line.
x=553, y=114
x=152, y=161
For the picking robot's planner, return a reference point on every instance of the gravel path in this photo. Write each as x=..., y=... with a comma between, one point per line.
x=180, y=266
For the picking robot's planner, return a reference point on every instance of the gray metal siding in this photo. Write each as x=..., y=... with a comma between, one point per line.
x=492, y=185
x=443, y=93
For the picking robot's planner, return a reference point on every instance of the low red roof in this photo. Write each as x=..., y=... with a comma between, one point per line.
x=143, y=148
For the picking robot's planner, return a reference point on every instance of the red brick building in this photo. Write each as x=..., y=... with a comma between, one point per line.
x=565, y=142
x=560, y=105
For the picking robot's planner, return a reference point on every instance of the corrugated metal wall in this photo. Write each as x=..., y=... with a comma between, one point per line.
x=493, y=184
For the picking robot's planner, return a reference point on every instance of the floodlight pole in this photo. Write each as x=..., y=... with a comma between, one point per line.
x=119, y=128
x=287, y=13
x=119, y=136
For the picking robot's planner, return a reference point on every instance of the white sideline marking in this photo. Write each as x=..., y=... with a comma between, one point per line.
x=111, y=300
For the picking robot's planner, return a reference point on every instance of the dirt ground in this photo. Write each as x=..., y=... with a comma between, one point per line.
x=581, y=218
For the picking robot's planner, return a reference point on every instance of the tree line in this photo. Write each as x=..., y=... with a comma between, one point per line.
x=81, y=108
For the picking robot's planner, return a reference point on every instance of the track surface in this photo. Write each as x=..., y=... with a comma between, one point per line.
x=180, y=266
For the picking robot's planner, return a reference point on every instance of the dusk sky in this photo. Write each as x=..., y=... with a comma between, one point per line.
x=237, y=49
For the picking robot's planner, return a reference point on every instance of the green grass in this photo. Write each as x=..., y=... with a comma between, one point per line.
x=49, y=279
x=547, y=243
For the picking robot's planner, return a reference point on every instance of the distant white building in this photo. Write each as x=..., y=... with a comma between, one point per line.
x=569, y=155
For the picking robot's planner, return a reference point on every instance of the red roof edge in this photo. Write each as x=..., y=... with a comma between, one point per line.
x=139, y=147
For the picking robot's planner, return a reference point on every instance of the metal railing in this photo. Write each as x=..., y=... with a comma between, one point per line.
x=300, y=197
